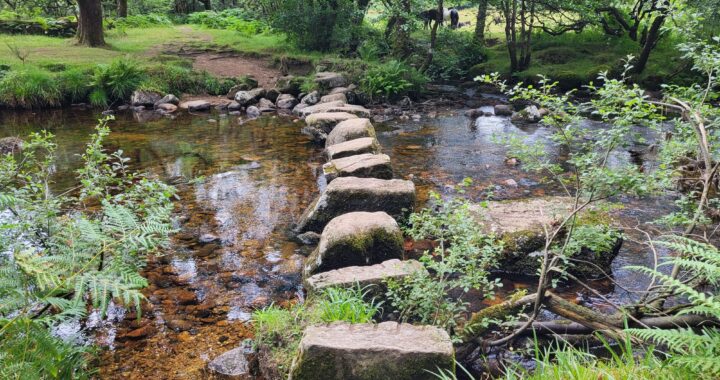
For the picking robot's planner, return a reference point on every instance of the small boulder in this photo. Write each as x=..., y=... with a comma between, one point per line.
x=362, y=165
x=336, y=106
x=309, y=238
x=318, y=125
x=388, y=350
x=340, y=97
x=253, y=112
x=348, y=194
x=168, y=99
x=503, y=110
x=349, y=130
x=373, y=276
x=289, y=84
x=329, y=80
x=234, y=106
x=166, y=107
x=246, y=84
x=246, y=98
x=353, y=147
x=145, y=98
x=196, y=105
x=356, y=238
x=272, y=94
x=286, y=102
x=339, y=90
x=529, y=114
x=265, y=105
x=233, y=364
x=311, y=99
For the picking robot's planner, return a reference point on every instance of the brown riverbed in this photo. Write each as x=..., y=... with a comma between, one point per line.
x=241, y=187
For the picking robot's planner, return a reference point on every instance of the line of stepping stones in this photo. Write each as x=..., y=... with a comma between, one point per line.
x=360, y=243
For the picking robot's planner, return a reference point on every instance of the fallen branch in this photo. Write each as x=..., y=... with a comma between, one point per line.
x=573, y=328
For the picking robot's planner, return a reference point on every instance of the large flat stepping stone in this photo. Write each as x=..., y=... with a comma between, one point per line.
x=348, y=194
x=372, y=275
x=353, y=147
x=336, y=106
x=519, y=225
x=318, y=125
x=356, y=238
x=362, y=165
x=350, y=130
x=388, y=350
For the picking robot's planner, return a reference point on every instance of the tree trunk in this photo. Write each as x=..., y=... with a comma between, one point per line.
x=433, y=36
x=90, y=23
x=480, y=21
x=400, y=34
x=207, y=4
x=510, y=12
x=122, y=8
x=653, y=36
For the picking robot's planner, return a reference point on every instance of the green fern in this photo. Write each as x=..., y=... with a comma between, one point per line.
x=698, y=352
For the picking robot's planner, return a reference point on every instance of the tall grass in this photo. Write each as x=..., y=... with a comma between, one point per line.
x=348, y=304
x=29, y=88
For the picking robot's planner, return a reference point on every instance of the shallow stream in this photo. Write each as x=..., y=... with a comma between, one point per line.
x=241, y=187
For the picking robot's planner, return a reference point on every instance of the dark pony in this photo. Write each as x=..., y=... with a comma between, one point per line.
x=431, y=15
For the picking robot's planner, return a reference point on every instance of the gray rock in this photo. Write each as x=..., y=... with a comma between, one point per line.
x=372, y=277
x=168, y=99
x=503, y=110
x=388, y=350
x=234, y=106
x=166, y=107
x=272, y=94
x=356, y=238
x=519, y=225
x=529, y=114
x=208, y=238
x=286, y=102
x=289, y=85
x=311, y=99
x=253, y=112
x=247, y=83
x=144, y=98
x=366, y=165
x=309, y=238
x=336, y=106
x=353, y=147
x=196, y=105
x=320, y=124
x=329, y=80
x=338, y=90
x=233, y=364
x=246, y=98
x=348, y=194
x=339, y=97
x=349, y=130
x=10, y=145
x=265, y=105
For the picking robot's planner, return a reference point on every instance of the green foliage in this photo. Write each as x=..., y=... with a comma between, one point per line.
x=68, y=254
x=150, y=20
x=347, y=304
x=29, y=88
x=179, y=79
x=461, y=262
x=392, y=80
x=115, y=82
x=238, y=20
x=697, y=353
x=455, y=54
x=319, y=25
x=74, y=85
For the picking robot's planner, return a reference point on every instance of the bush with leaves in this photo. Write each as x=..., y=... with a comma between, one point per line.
x=115, y=82
x=65, y=255
x=392, y=80
x=461, y=262
x=238, y=20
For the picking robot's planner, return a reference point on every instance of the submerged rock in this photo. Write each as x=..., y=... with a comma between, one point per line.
x=519, y=225
x=196, y=105
x=347, y=194
x=233, y=364
x=529, y=114
x=356, y=238
x=350, y=130
x=503, y=110
x=353, y=147
x=10, y=145
x=387, y=350
x=253, y=112
x=286, y=102
x=366, y=165
x=372, y=276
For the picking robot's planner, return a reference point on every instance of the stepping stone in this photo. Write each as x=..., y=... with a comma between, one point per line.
x=328, y=80
x=350, y=130
x=356, y=238
x=196, y=105
x=372, y=275
x=353, y=147
x=519, y=225
x=320, y=124
x=339, y=97
x=366, y=165
x=336, y=106
x=388, y=350
x=348, y=194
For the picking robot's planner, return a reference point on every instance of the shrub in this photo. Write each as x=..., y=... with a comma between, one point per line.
x=319, y=25
x=455, y=55
x=29, y=88
x=115, y=82
x=74, y=85
x=392, y=80
x=230, y=19
x=181, y=80
x=143, y=21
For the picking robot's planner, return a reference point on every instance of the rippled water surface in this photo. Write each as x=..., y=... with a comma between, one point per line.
x=245, y=184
